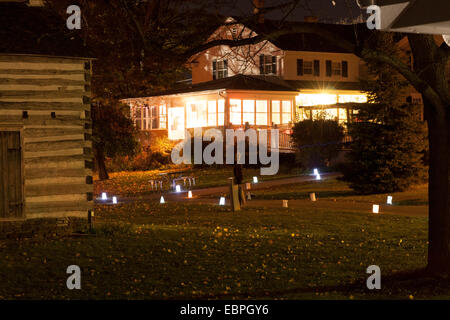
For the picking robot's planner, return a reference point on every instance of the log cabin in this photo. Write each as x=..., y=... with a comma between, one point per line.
x=46, y=156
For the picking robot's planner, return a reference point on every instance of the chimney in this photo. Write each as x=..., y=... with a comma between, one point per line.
x=257, y=6
x=312, y=19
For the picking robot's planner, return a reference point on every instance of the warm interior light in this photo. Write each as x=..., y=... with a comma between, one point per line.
x=376, y=208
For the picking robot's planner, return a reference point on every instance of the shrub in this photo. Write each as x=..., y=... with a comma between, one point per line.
x=318, y=141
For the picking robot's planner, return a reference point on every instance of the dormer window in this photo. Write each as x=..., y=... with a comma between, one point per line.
x=220, y=69
x=305, y=67
x=268, y=64
x=337, y=69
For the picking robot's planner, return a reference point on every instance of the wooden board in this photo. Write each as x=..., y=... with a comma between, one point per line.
x=11, y=182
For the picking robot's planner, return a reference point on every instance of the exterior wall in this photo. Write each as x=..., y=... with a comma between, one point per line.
x=47, y=99
x=290, y=65
x=241, y=60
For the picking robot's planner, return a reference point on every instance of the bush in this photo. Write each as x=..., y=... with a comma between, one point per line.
x=387, y=156
x=156, y=156
x=318, y=142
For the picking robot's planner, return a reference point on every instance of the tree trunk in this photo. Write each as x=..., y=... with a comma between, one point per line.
x=438, y=193
x=100, y=158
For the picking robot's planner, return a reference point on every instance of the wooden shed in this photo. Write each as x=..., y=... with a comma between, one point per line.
x=45, y=137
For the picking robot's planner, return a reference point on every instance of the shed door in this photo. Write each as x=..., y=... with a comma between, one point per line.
x=11, y=192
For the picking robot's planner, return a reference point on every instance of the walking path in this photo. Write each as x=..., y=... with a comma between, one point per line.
x=206, y=196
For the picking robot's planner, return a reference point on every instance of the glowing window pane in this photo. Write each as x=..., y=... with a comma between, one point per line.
x=221, y=114
x=276, y=118
x=313, y=99
x=196, y=114
x=212, y=114
x=275, y=106
x=249, y=111
x=261, y=119
x=235, y=111
x=287, y=106
x=261, y=112
x=176, y=123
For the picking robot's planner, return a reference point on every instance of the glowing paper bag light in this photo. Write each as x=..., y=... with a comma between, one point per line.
x=114, y=200
x=285, y=203
x=190, y=194
x=318, y=177
x=376, y=208
x=255, y=179
x=162, y=200
x=104, y=196
x=178, y=188
x=316, y=172
x=312, y=197
x=222, y=201
x=389, y=200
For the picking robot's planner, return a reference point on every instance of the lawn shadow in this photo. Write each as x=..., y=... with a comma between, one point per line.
x=415, y=283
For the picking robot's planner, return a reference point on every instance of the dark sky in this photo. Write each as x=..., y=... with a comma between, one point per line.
x=323, y=9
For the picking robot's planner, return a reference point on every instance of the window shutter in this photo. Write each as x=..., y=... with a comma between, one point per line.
x=214, y=69
x=299, y=67
x=274, y=64
x=328, y=68
x=225, y=65
x=261, y=64
x=317, y=68
x=345, y=69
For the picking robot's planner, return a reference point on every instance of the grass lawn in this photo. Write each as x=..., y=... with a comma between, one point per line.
x=335, y=189
x=134, y=183
x=187, y=251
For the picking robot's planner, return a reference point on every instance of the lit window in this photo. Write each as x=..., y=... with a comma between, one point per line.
x=196, y=114
x=261, y=112
x=286, y=112
x=307, y=67
x=212, y=114
x=336, y=68
x=221, y=112
x=220, y=69
x=267, y=64
x=235, y=111
x=162, y=117
x=276, y=117
x=249, y=112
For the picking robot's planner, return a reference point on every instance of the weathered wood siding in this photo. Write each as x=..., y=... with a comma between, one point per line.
x=47, y=100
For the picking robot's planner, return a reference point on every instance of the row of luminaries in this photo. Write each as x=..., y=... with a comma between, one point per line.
x=375, y=207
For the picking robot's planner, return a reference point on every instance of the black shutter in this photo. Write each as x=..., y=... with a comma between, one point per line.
x=345, y=69
x=214, y=69
x=274, y=64
x=299, y=67
x=317, y=68
x=261, y=64
x=225, y=65
x=328, y=68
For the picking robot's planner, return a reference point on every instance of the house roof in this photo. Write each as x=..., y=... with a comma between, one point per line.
x=305, y=41
x=260, y=83
x=237, y=82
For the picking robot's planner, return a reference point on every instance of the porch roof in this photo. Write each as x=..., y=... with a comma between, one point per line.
x=238, y=82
